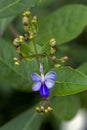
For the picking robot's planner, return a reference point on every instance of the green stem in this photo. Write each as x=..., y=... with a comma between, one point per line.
x=36, y=53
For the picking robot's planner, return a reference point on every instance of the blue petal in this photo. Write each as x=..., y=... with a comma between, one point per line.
x=49, y=83
x=35, y=77
x=36, y=86
x=44, y=91
x=50, y=76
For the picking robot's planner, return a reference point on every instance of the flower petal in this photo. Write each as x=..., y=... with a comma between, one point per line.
x=49, y=83
x=35, y=77
x=36, y=86
x=44, y=91
x=50, y=76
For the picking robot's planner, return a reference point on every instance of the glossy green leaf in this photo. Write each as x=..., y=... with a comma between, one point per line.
x=69, y=81
x=11, y=74
x=29, y=120
x=64, y=24
x=14, y=7
x=66, y=107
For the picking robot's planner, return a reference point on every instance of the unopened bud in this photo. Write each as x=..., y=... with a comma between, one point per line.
x=38, y=109
x=63, y=59
x=34, y=20
x=16, y=42
x=26, y=13
x=17, y=63
x=31, y=35
x=42, y=107
x=52, y=50
x=20, y=38
x=25, y=20
x=57, y=65
x=49, y=108
x=52, y=42
x=15, y=58
x=46, y=110
x=53, y=58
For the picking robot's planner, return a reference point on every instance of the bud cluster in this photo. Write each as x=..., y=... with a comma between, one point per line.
x=54, y=59
x=44, y=106
x=53, y=50
x=52, y=44
x=31, y=29
x=18, y=41
x=30, y=25
x=42, y=109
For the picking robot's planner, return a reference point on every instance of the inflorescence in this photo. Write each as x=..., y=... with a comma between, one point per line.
x=22, y=43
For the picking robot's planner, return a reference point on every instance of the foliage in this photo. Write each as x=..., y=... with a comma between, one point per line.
x=66, y=25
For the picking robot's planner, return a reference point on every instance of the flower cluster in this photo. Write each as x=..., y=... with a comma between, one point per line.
x=26, y=48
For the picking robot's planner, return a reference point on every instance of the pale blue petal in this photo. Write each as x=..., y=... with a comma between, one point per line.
x=50, y=83
x=35, y=77
x=36, y=86
x=50, y=76
x=44, y=91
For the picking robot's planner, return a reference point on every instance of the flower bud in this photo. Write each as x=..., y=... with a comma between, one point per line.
x=63, y=59
x=46, y=110
x=42, y=108
x=26, y=13
x=52, y=42
x=31, y=35
x=38, y=109
x=15, y=58
x=25, y=20
x=17, y=63
x=53, y=58
x=49, y=108
x=21, y=39
x=16, y=42
x=52, y=50
x=57, y=65
x=34, y=20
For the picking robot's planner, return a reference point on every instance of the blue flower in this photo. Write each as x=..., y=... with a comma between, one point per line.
x=44, y=83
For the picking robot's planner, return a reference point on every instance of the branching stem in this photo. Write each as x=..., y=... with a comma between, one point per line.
x=36, y=53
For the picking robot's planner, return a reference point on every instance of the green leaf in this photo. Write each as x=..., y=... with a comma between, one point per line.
x=63, y=107
x=64, y=24
x=14, y=7
x=69, y=81
x=4, y=23
x=46, y=48
x=29, y=120
x=11, y=74
x=83, y=68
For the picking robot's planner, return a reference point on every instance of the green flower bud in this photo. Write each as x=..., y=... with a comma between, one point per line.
x=25, y=20
x=52, y=42
x=57, y=65
x=49, y=108
x=52, y=50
